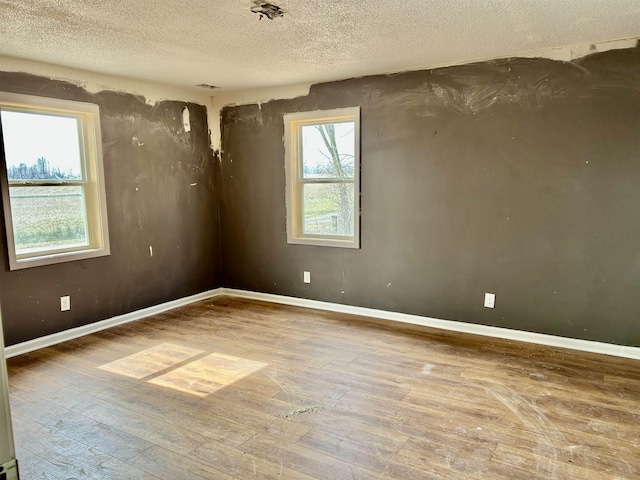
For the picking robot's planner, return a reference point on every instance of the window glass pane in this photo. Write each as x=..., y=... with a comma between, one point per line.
x=328, y=209
x=46, y=217
x=328, y=150
x=41, y=147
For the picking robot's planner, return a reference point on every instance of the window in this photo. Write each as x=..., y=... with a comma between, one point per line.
x=52, y=180
x=322, y=162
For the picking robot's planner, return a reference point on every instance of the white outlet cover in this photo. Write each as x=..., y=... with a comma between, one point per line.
x=65, y=303
x=306, y=277
x=490, y=300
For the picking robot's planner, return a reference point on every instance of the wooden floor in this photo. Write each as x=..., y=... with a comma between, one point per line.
x=232, y=388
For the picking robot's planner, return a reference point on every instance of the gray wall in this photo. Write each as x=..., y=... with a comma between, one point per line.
x=518, y=177
x=150, y=164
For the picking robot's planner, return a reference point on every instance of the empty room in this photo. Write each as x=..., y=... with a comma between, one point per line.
x=320, y=240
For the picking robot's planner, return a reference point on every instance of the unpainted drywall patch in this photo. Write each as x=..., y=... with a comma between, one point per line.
x=186, y=120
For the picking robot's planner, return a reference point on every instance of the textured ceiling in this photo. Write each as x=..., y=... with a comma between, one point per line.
x=220, y=42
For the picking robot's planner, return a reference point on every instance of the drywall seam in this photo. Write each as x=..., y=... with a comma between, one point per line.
x=566, y=53
x=226, y=98
x=96, y=82
x=462, y=327
x=66, y=335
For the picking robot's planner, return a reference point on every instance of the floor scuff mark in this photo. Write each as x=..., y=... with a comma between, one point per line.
x=549, y=437
x=426, y=370
x=301, y=411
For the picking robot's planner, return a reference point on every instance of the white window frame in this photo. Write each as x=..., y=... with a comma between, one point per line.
x=92, y=182
x=293, y=123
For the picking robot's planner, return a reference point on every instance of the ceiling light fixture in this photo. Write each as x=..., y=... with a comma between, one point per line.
x=267, y=10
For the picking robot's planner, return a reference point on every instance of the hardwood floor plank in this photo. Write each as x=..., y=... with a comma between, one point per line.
x=47, y=453
x=87, y=462
x=365, y=455
x=41, y=411
x=41, y=469
x=44, y=442
x=181, y=406
x=155, y=431
x=547, y=467
x=168, y=465
x=48, y=375
x=305, y=460
x=234, y=388
x=239, y=464
x=112, y=441
x=350, y=381
x=181, y=416
x=32, y=466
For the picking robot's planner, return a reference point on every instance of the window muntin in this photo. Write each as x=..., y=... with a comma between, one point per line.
x=52, y=180
x=323, y=177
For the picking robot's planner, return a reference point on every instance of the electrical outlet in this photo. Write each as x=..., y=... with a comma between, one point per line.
x=490, y=300
x=65, y=303
x=306, y=277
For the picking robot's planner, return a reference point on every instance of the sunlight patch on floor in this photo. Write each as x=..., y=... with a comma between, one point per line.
x=204, y=376
x=164, y=365
x=151, y=361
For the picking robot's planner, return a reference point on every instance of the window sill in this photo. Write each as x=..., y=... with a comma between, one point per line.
x=53, y=258
x=348, y=242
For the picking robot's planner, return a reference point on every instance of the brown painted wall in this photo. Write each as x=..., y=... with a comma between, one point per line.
x=518, y=177
x=150, y=164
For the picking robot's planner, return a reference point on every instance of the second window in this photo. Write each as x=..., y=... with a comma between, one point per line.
x=323, y=177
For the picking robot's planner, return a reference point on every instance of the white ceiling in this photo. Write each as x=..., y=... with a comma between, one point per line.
x=220, y=42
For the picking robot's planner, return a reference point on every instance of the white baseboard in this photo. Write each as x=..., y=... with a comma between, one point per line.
x=496, y=332
x=56, y=338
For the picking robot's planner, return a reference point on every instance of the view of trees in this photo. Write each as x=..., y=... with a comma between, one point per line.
x=40, y=170
x=329, y=207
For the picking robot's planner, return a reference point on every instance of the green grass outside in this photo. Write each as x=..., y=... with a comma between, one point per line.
x=47, y=220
